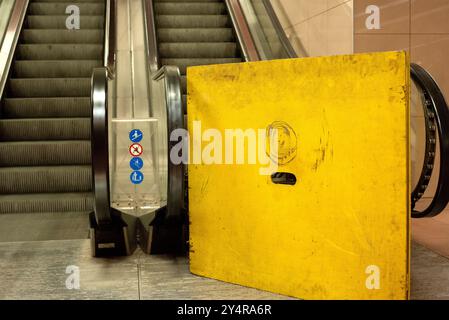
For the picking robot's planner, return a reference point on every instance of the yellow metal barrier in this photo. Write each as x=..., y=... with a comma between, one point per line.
x=341, y=231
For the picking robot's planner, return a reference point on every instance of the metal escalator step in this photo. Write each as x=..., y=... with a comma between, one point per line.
x=40, y=153
x=196, y=8
x=43, y=226
x=45, y=129
x=51, y=87
x=46, y=202
x=32, y=36
x=59, y=21
x=184, y=63
x=59, y=52
x=192, y=21
x=198, y=50
x=45, y=179
x=195, y=35
x=46, y=107
x=59, y=8
x=54, y=68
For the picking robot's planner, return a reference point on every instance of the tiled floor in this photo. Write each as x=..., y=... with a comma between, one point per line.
x=37, y=270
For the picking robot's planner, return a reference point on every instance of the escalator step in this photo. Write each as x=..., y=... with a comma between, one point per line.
x=194, y=8
x=54, y=68
x=45, y=179
x=39, y=153
x=184, y=63
x=59, y=8
x=45, y=129
x=46, y=107
x=198, y=50
x=31, y=36
x=195, y=35
x=59, y=22
x=59, y=52
x=52, y=87
x=192, y=21
x=46, y=202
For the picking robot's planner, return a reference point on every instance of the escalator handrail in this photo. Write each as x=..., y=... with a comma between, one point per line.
x=10, y=39
x=279, y=30
x=151, y=37
x=174, y=114
x=99, y=118
x=110, y=39
x=241, y=28
x=100, y=145
x=175, y=120
x=435, y=98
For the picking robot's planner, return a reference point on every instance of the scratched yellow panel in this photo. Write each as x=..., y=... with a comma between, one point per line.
x=348, y=213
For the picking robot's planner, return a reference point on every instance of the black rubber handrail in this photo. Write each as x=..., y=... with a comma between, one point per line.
x=279, y=30
x=99, y=119
x=100, y=145
x=434, y=100
x=174, y=120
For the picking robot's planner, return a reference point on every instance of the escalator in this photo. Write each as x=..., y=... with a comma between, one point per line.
x=58, y=78
x=192, y=33
x=45, y=173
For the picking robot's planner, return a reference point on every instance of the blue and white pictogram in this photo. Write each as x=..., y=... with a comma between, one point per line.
x=135, y=135
x=136, y=163
x=136, y=177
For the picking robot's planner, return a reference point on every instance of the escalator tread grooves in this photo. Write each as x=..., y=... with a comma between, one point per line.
x=45, y=111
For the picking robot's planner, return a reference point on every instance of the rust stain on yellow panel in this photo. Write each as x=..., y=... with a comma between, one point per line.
x=348, y=213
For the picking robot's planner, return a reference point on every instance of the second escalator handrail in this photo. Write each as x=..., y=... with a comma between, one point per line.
x=174, y=120
x=279, y=30
x=434, y=99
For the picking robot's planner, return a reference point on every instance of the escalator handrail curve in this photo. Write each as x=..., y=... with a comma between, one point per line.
x=435, y=98
x=175, y=120
x=99, y=118
x=100, y=145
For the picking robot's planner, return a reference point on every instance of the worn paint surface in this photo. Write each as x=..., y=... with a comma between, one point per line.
x=350, y=206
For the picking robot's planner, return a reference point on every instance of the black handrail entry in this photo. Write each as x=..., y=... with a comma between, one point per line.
x=435, y=99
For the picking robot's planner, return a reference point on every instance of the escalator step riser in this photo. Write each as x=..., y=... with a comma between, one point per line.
x=68, y=87
x=62, y=36
x=59, y=52
x=194, y=8
x=59, y=22
x=45, y=129
x=45, y=179
x=193, y=21
x=54, y=68
x=42, y=8
x=198, y=50
x=45, y=153
x=71, y=202
x=195, y=35
x=184, y=63
x=46, y=107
